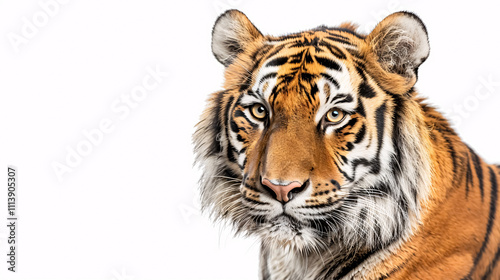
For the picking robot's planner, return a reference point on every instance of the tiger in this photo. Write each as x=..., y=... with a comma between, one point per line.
x=320, y=146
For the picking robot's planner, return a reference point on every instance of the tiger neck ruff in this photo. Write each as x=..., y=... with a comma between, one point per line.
x=320, y=146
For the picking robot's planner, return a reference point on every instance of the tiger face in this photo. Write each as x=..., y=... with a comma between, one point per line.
x=316, y=140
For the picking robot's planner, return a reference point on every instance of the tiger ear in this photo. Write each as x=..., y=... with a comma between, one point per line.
x=399, y=44
x=232, y=33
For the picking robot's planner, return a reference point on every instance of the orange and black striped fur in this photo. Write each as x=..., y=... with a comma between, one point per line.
x=320, y=145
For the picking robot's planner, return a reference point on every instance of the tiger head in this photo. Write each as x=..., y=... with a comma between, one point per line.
x=317, y=138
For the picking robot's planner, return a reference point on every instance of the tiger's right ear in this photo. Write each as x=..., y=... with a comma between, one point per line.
x=232, y=33
x=396, y=48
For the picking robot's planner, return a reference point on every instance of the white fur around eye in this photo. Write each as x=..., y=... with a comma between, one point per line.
x=344, y=81
x=331, y=128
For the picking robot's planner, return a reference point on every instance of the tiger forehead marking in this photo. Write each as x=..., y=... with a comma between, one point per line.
x=295, y=67
x=320, y=146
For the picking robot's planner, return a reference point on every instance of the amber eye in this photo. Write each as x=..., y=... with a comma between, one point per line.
x=258, y=111
x=335, y=116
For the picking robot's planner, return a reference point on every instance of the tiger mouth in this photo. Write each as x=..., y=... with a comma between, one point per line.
x=285, y=221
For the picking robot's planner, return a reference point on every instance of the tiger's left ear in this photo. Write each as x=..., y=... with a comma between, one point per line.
x=232, y=34
x=395, y=49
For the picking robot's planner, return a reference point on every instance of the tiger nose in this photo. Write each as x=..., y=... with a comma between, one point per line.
x=284, y=192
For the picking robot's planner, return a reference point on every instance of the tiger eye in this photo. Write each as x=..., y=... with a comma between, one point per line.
x=335, y=116
x=259, y=111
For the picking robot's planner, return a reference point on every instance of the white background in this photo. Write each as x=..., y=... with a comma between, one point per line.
x=128, y=210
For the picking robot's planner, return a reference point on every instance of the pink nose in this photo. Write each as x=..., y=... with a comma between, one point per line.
x=281, y=191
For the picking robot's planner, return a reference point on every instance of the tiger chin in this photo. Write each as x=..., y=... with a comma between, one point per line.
x=320, y=145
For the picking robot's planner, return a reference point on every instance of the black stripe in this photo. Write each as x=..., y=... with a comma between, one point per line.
x=307, y=77
x=492, y=265
x=229, y=148
x=286, y=37
x=338, y=40
x=328, y=63
x=333, y=50
x=375, y=163
x=344, y=98
x=356, y=260
x=452, y=152
x=234, y=127
x=491, y=220
x=254, y=94
x=230, y=153
x=382, y=187
x=267, y=76
x=317, y=206
x=248, y=78
x=349, y=146
x=308, y=57
x=259, y=219
x=365, y=90
x=342, y=172
x=296, y=58
x=360, y=135
x=468, y=177
x=244, y=163
x=251, y=188
x=362, y=215
x=304, y=91
x=361, y=72
x=380, y=122
x=275, y=51
x=355, y=53
x=229, y=173
x=277, y=61
x=241, y=139
x=338, y=36
x=215, y=125
x=331, y=80
x=344, y=159
x=336, y=51
x=299, y=43
x=254, y=201
x=352, y=122
x=240, y=114
x=479, y=171
x=313, y=93
x=346, y=30
x=335, y=184
x=397, y=140
x=361, y=109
